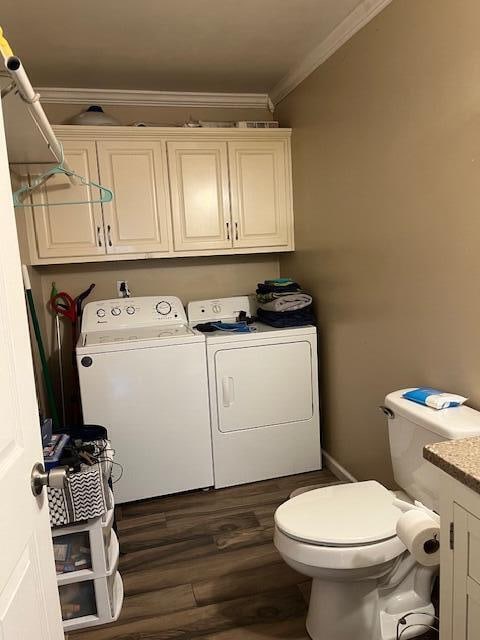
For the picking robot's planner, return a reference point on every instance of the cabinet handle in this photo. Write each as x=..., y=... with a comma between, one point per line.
x=99, y=237
x=236, y=230
x=109, y=235
x=228, y=230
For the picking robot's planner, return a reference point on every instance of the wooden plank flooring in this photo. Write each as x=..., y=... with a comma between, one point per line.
x=203, y=565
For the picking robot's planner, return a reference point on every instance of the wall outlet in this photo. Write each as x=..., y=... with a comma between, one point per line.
x=122, y=289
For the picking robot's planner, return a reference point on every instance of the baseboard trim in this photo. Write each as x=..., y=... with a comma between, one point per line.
x=336, y=468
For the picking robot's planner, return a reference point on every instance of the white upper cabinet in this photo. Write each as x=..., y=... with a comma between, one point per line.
x=200, y=195
x=176, y=192
x=260, y=192
x=69, y=230
x=138, y=218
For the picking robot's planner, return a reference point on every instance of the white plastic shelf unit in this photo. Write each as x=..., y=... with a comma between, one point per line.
x=91, y=602
x=90, y=587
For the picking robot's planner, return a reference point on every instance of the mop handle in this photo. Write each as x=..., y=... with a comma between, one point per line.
x=41, y=350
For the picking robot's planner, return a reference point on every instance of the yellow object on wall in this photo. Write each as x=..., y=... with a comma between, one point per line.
x=5, y=48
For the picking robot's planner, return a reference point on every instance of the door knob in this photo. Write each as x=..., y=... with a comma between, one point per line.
x=54, y=478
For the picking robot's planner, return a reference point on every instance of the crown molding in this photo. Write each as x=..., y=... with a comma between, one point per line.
x=63, y=95
x=358, y=18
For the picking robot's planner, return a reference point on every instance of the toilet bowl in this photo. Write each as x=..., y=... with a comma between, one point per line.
x=363, y=577
x=364, y=581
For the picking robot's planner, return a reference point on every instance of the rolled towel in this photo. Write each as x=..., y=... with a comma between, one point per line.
x=290, y=302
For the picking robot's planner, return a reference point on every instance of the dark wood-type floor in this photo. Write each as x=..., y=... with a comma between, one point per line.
x=202, y=565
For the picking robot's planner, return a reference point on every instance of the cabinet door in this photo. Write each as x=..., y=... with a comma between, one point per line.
x=200, y=195
x=69, y=230
x=260, y=192
x=466, y=576
x=138, y=218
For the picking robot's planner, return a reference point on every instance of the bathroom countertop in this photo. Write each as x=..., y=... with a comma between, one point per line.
x=459, y=458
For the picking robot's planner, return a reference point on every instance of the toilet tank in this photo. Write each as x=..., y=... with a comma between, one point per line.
x=410, y=427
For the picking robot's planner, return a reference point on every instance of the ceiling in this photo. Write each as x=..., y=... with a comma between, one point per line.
x=168, y=45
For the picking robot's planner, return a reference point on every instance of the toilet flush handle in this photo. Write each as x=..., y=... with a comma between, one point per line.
x=386, y=412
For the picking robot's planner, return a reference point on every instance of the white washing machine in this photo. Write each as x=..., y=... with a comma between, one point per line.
x=263, y=396
x=143, y=375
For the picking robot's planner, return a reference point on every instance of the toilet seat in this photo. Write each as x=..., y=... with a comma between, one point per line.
x=348, y=515
x=350, y=526
x=360, y=557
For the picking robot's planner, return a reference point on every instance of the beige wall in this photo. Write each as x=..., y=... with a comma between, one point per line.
x=187, y=278
x=386, y=168
x=36, y=284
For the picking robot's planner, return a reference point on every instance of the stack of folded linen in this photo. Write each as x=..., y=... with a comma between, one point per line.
x=282, y=303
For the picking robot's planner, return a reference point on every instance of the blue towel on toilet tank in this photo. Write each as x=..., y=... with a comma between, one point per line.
x=434, y=398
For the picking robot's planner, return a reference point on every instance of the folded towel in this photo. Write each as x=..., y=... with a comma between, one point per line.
x=272, y=288
x=434, y=398
x=287, y=302
x=280, y=282
x=300, y=318
x=268, y=297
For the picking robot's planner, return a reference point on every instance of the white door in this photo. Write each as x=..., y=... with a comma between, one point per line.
x=29, y=604
x=200, y=195
x=260, y=191
x=63, y=231
x=260, y=386
x=138, y=218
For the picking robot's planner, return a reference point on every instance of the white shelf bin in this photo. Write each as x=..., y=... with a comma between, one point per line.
x=108, y=603
x=103, y=544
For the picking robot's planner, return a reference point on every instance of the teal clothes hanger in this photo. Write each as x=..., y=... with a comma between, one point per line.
x=106, y=195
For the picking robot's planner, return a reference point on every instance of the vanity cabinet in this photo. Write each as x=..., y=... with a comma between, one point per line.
x=466, y=574
x=459, y=560
x=177, y=192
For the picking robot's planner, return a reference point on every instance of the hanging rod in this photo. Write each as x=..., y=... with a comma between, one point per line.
x=27, y=93
x=31, y=98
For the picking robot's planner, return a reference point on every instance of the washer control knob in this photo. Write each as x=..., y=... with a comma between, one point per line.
x=130, y=310
x=101, y=313
x=86, y=361
x=163, y=307
x=116, y=311
x=216, y=308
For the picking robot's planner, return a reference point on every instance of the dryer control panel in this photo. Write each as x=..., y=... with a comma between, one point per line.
x=121, y=313
x=225, y=309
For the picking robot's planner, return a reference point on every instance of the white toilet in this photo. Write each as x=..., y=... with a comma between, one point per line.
x=344, y=536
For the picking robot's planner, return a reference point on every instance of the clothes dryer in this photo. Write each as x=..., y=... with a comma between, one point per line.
x=263, y=388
